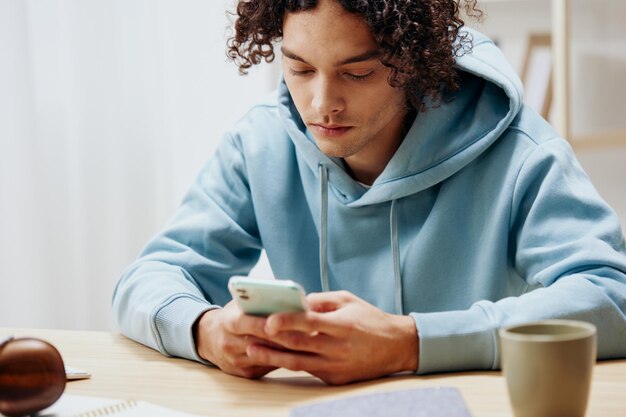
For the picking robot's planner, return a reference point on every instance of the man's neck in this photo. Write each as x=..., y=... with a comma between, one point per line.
x=367, y=165
x=364, y=170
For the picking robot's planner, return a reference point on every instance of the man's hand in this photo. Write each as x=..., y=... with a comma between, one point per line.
x=342, y=339
x=224, y=335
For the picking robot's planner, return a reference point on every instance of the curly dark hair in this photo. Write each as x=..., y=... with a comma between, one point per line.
x=419, y=39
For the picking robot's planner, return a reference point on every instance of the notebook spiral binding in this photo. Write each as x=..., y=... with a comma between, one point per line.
x=109, y=409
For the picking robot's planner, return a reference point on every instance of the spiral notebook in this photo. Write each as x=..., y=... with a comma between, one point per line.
x=83, y=406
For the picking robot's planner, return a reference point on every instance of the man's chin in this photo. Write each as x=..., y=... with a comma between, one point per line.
x=332, y=149
x=334, y=152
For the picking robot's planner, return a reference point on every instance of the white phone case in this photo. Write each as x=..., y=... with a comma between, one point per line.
x=262, y=297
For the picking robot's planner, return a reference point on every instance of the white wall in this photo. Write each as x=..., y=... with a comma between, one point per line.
x=108, y=109
x=508, y=23
x=598, y=67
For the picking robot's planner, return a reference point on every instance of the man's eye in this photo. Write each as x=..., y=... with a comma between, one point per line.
x=299, y=73
x=359, y=77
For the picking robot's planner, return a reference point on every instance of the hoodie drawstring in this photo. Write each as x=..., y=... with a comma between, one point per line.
x=395, y=246
x=324, y=227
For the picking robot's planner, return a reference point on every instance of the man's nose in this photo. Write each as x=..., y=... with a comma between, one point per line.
x=327, y=99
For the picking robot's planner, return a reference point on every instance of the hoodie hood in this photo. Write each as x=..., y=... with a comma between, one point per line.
x=441, y=141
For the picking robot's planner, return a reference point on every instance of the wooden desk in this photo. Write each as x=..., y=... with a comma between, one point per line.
x=125, y=369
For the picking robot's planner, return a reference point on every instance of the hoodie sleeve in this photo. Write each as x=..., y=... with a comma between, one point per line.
x=568, y=245
x=183, y=271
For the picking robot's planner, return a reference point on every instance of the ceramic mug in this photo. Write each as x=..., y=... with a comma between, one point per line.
x=548, y=366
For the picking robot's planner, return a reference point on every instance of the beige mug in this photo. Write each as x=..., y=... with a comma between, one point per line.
x=548, y=366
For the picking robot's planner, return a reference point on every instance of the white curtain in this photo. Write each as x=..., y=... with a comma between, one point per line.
x=108, y=109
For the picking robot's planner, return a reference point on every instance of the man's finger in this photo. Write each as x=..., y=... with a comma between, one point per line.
x=256, y=372
x=234, y=354
x=245, y=324
x=309, y=322
x=295, y=361
x=328, y=301
x=319, y=343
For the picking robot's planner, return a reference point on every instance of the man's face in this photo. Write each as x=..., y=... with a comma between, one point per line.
x=340, y=88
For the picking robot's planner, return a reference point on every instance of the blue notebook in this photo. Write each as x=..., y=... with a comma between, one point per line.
x=419, y=402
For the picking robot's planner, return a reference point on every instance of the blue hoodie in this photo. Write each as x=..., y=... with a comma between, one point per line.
x=482, y=218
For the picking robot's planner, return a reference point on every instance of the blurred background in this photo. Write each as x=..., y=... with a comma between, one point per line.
x=109, y=108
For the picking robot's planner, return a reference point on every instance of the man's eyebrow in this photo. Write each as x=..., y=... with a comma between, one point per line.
x=365, y=56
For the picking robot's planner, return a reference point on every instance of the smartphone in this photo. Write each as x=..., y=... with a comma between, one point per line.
x=262, y=297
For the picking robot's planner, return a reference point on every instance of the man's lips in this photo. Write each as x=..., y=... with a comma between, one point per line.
x=330, y=130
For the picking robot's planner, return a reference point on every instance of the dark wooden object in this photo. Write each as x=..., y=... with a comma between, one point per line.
x=32, y=376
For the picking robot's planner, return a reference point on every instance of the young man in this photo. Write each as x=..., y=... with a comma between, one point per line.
x=398, y=177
